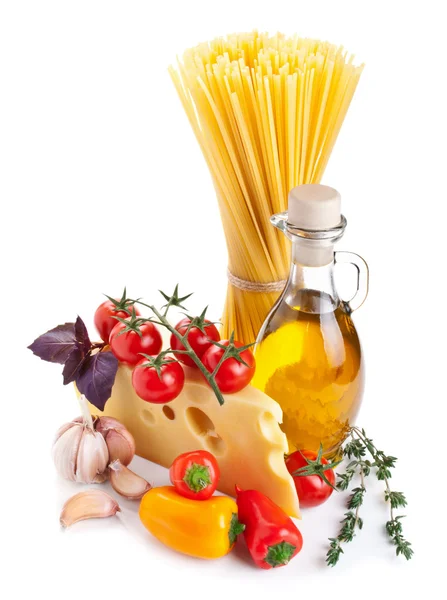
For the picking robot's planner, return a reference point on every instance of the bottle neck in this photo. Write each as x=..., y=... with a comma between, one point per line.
x=312, y=253
x=311, y=285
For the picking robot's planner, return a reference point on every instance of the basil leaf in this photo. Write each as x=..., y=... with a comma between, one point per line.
x=96, y=377
x=73, y=365
x=82, y=338
x=55, y=345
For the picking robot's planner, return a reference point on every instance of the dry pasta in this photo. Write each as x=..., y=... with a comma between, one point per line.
x=266, y=111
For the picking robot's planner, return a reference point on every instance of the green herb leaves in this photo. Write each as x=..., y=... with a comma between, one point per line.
x=334, y=552
x=356, y=498
x=396, y=499
x=357, y=448
x=394, y=530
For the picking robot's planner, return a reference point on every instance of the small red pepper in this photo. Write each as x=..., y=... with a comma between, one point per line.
x=195, y=474
x=272, y=537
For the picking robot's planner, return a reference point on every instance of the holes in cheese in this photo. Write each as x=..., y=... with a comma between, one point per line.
x=168, y=412
x=267, y=426
x=148, y=416
x=204, y=429
x=199, y=422
x=243, y=434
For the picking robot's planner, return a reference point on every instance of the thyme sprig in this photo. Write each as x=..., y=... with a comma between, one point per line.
x=357, y=448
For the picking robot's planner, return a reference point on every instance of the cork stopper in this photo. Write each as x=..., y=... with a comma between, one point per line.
x=314, y=207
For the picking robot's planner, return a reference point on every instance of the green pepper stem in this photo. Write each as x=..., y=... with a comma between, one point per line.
x=279, y=554
x=236, y=527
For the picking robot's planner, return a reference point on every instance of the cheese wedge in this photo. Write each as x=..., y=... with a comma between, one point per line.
x=243, y=434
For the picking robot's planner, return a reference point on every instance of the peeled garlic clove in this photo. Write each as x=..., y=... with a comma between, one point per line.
x=126, y=482
x=92, y=504
x=65, y=450
x=120, y=442
x=92, y=458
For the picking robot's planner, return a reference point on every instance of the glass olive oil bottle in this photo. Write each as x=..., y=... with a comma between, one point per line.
x=308, y=354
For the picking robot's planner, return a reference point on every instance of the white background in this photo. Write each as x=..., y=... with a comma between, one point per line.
x=102, y=185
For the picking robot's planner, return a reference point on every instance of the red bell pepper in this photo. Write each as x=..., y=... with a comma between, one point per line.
x=272, y=537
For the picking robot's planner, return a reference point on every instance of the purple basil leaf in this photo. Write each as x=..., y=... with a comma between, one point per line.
x=77, y=355
x=96, y=378
x=73, y=365
x=55, y=345
x=82, y=338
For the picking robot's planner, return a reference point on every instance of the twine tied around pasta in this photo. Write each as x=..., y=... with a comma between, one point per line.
x=255, y=286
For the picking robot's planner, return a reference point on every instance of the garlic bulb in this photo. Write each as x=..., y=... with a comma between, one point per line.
x=81, y=454
x=84, y=448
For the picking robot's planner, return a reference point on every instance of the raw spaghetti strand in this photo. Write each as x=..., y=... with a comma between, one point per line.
x=266, y=111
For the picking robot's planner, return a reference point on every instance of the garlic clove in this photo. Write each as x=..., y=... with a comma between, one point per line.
x=92, y=459
x=91, y=504
x=66, y=427
x=121, y=445
x=126, y=482
x=65, y=450
x=120, y=442
x=106, y=423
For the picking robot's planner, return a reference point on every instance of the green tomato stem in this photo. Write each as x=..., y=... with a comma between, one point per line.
x=184, y=340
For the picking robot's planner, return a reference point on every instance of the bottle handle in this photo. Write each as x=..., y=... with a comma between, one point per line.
x=361, y=266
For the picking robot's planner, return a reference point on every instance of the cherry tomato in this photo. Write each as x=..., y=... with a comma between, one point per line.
x=195, y=474
x=104, y=321
x=199, y=341
x=155, y=388
x=232, y=375
x=311, y=489
x=128, y=346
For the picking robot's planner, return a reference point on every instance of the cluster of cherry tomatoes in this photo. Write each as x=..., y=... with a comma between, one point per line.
x=159, y=378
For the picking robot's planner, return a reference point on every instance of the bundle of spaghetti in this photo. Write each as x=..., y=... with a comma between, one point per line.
x=266, y=111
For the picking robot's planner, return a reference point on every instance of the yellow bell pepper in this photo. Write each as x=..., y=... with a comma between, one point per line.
x=201, y=528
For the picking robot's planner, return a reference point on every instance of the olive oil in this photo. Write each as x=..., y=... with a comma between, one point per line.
x=308, y=355
x=309, y=359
